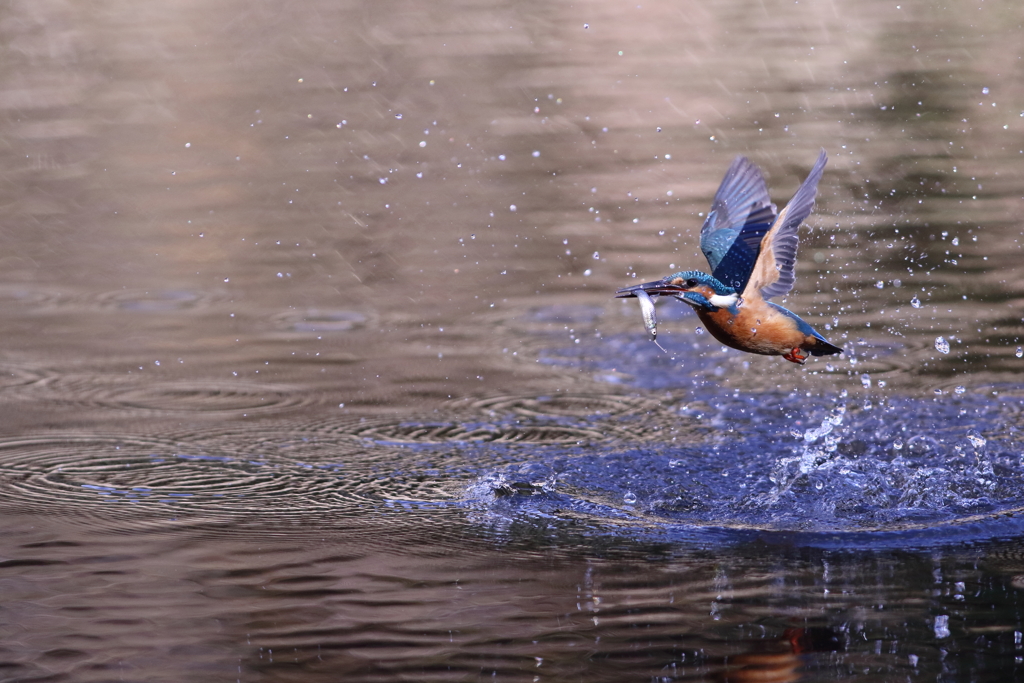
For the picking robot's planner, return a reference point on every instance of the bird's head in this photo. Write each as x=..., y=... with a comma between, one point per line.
x=715, y=292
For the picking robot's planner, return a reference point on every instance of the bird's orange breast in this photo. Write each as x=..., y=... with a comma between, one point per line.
x=756, y=328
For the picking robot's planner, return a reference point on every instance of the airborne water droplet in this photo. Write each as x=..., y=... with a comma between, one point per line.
x=960, y=390
x=915, y=302
x=629, y=498
x=976, y=439
x=941, y=345
x=1020, y=352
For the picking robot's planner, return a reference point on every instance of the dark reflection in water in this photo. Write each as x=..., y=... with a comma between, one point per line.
x=311, y=371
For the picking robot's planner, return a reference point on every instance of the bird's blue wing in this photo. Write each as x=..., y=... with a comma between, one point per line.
x=774, y=273
x=741, y=214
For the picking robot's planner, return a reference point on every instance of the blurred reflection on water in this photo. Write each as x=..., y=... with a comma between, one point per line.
x=310, y=364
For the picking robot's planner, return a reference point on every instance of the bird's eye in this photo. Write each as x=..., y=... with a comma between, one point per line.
x=692, y=282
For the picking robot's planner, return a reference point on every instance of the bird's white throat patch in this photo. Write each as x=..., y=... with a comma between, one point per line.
x=726, y=301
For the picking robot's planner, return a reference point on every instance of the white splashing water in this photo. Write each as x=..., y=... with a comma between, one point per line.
x=941, y=626
x=976, y=439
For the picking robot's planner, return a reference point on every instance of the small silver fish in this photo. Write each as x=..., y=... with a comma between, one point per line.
x=647, y=310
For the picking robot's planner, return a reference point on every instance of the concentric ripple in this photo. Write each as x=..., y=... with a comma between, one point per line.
x=274, y=483
x=37, y=296
x=170, y=397
x=606, y=463
x=318, y=320
x=560, y=419
x=443, y=432
x=156, y=300
x=201, y=397
x=585, y=406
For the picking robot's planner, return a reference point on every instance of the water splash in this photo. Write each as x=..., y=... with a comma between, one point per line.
x=814, y=456
x=749, y=463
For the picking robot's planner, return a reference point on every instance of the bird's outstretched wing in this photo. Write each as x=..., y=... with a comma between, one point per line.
x=773, y=273
x=741, y=214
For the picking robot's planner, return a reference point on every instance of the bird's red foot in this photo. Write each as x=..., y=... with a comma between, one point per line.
x=796, y=356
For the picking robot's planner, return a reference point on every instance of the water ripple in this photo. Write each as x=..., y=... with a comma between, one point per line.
x=140, y=396
x=607, y=464
x=227, y=481
x=158, y=300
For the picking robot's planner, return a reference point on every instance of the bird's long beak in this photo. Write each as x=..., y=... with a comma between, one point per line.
x=656, y=288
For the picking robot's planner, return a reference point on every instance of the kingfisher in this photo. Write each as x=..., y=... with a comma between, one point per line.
x=751, y=248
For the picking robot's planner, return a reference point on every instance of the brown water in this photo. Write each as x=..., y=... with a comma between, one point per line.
x=311, y=368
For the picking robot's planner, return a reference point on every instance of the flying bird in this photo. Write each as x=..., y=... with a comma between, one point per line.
x=751, y=248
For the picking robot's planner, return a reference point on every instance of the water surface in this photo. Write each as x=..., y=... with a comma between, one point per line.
x=311, y=368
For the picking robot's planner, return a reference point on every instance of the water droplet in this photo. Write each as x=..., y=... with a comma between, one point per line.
x=915, y=302
x=976, y=439
x=661, y=232
x=675, y=463
x=941, y=345
x=819, y=485
x=955, y=242
x=629, y=498
x=898, y=444
x=699, y=330
x=960, y=390
x=941, y=626
x=865, y=380
x=1020, y=352
x=597, y=256
x=879, y=284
